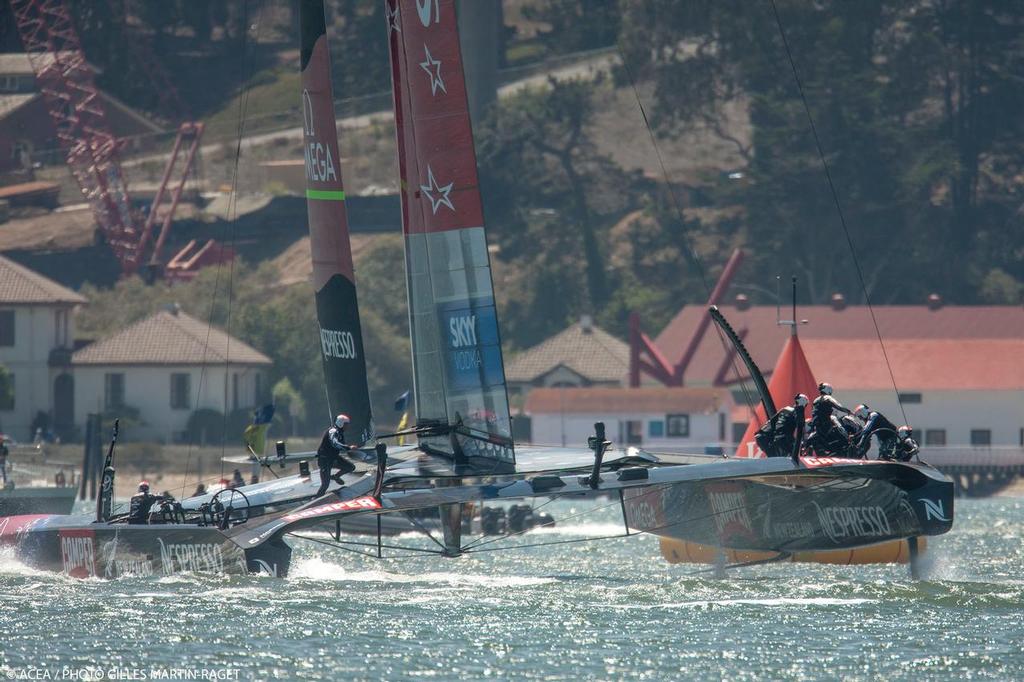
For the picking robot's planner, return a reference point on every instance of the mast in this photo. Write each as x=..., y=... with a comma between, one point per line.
x=337, y=308
x=458, y=372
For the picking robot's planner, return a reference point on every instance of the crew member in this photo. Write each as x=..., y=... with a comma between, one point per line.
x=825, y=428
x=236, y=480
x=141, y=503
x=3, y=460
x=328, y=455
x=782, y=434
x=875, y=424
x=906, y=446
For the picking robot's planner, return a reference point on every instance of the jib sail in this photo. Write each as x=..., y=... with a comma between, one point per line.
x=459, y=376
x=337, y=310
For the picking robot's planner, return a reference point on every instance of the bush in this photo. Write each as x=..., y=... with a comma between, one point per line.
x=205, y=426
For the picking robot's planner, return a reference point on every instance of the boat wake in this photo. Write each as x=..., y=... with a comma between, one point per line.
x=10, y=564
x=711, y=603
x=322, y=569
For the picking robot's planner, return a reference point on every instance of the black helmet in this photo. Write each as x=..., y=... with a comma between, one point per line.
x=905, y=431
x=825, y=389
x=143, y=487
x=800, y=400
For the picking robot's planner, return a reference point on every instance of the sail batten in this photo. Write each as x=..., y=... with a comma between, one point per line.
x=459, y=377
x=337, y=308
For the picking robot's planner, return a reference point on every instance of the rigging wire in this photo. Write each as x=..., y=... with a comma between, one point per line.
x=838, y=204
x=233, y=212
x=694, y=256
x=231, y=218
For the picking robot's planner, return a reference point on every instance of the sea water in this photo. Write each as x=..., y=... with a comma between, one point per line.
x=593, y=609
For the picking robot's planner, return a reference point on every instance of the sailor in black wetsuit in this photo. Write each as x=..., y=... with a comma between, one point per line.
x=827, y=434
x=781, y=436
x=906, y=447
x=875, y=424
x=328, y=455
x=141, y=503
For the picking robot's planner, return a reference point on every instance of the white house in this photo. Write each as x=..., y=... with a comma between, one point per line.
x=669, y=419
x=36, y=336
x=166, y=366
x=580, y=355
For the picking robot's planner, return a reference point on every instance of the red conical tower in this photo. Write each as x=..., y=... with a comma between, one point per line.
x=792, y=375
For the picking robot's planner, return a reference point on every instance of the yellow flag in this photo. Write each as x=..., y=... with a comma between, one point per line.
x=255, y=438
x=401, y=425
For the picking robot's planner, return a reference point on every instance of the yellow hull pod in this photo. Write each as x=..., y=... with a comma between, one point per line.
x=891, y=552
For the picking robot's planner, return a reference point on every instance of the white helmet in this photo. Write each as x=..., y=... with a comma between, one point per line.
x=862, y=411
x=800, y=400
x=825, y=389
x=905, y=432
x=341, y=420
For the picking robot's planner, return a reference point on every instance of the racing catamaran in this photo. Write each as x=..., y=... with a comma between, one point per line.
x=465, y=452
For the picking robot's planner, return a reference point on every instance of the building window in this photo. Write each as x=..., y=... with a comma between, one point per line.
x=935, y=437
x=113, y=391
x=634, y=432
x=7, y=393
x=181, y=390
x=6, y=328
x=981, y=437
x=678, y=425
x=61, y=327
x=656, y=429
x=910, y=398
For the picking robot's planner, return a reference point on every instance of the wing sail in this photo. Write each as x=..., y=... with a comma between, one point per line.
x=459, y=374
x=337, y=309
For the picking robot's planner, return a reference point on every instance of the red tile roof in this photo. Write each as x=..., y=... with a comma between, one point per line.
x=169, y=338
x=765, y=339
x=19, y=285
x=654, y=400
x=919, y=364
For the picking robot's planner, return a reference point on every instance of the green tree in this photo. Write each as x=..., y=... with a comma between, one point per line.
x=910, y=102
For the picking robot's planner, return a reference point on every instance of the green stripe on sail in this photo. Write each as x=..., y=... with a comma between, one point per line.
x=326, y=194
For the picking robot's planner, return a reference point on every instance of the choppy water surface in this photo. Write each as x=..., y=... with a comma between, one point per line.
x=600, y=610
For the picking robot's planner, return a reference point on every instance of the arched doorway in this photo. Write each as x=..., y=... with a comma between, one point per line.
x=64, y=406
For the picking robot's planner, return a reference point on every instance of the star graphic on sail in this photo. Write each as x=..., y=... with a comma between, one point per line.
x=392, y=19
x=432, y=188
x=433, y=69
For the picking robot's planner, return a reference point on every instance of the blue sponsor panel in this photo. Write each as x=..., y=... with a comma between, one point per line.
x=471, y=349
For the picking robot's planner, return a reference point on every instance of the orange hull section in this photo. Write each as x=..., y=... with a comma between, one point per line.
x=892, y=552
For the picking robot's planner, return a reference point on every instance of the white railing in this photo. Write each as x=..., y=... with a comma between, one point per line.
x=997, y=456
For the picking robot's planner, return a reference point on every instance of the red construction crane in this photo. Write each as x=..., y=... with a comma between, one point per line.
x=67, y=83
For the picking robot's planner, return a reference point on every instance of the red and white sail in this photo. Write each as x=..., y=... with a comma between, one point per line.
x=457, y=363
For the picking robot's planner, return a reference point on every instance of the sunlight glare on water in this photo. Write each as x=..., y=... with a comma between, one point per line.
x=609, y=609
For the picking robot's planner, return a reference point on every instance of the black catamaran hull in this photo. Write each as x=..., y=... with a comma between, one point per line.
x=74, y=547
x=834, y=507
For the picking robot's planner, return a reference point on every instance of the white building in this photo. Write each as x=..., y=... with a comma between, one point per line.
x=655, y=418
x=580, y=355
x=953, y=391
x=166, y=366
x=36, y=337
x=959, y=370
